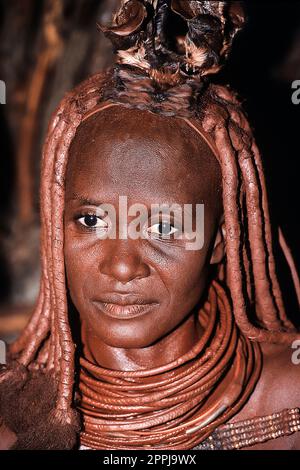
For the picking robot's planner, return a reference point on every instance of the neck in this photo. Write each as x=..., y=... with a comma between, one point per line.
x=167, y=349
x=208, y=385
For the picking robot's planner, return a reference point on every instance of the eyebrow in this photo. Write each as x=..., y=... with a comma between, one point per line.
x=84, y=200
x=93, y=202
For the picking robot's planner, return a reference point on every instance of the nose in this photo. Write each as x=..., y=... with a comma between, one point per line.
x=122, y=262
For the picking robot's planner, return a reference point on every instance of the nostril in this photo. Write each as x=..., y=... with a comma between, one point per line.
x=125, y=268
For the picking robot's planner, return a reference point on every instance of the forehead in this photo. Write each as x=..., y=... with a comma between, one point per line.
x=141, y=155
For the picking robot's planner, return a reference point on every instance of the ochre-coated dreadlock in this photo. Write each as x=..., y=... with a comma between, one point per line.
x=151, y=77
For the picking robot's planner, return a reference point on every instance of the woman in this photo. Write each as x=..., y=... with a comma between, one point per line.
x=178, y=348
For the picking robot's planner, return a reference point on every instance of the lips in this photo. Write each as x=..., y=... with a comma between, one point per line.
x=124, y=306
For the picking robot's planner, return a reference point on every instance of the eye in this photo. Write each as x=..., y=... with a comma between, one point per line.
x=92, y=221
x=163, y=229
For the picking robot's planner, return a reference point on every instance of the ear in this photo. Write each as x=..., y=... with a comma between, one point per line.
x=218, y=252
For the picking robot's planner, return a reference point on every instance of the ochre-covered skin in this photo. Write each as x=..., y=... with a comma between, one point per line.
x=158, y=160
x=149, y=159
x=154, y=129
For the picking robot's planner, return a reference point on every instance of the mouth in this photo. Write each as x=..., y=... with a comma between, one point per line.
x=124, y=306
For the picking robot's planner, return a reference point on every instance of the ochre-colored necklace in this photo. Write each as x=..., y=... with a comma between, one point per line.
x=178, y=405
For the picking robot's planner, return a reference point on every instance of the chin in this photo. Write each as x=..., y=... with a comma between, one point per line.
x=134, y=333
x=127, y=342
x=129, y=338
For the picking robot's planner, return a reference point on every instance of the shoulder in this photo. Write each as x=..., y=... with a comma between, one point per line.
x=278, y=388
x=281, y=376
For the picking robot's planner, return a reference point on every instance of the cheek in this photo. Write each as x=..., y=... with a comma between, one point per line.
x=188, y=281
x=187, y=273
x=79, y=264
x=185, y=283
x=187, y=278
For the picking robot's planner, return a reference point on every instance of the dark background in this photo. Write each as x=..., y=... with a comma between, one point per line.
x=48, y=46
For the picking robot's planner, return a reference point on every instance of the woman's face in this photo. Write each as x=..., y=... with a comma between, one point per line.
x=132, y=292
